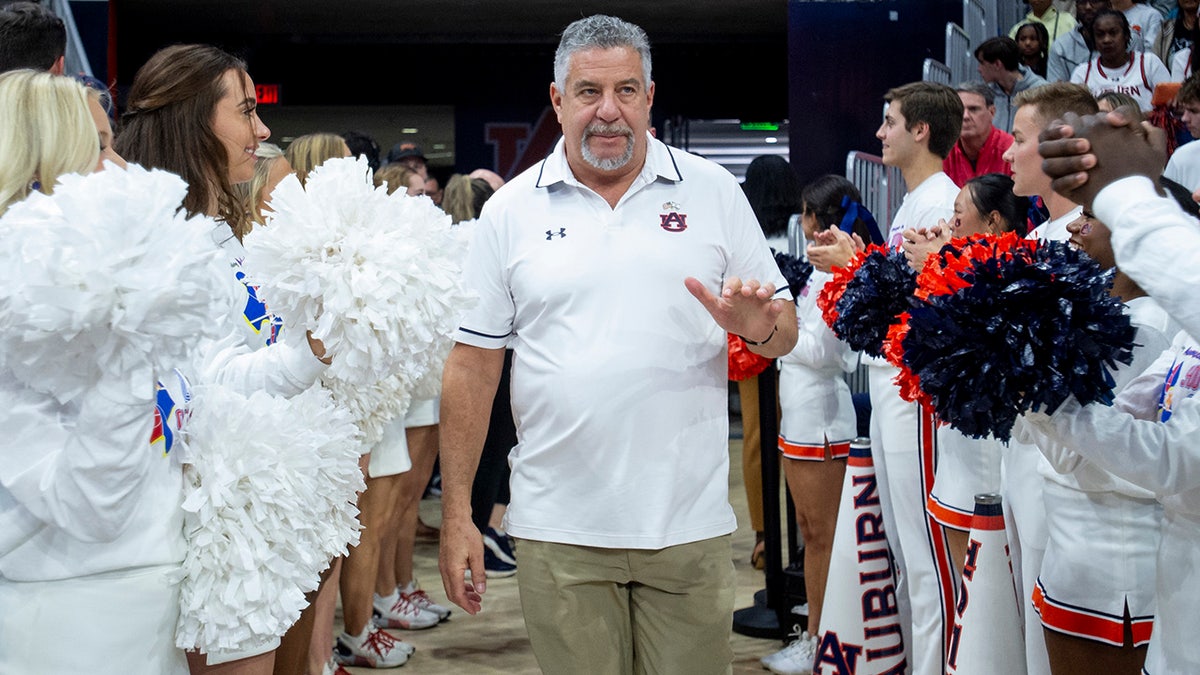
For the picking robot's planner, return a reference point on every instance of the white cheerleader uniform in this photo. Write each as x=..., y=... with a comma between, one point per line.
x=1156, y=244
x=1103, y=531
x=813, y=395
x=109, y=528
x=904, y=452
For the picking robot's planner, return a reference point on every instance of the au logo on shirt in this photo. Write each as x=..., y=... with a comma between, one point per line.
x=551, y=234
x=673, y=221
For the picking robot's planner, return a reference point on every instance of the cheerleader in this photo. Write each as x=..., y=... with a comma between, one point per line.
x=1093, y=593
x=967, y=466
x=89, y=515
x=1116, y=67
x=1156, y=243
x=817, y=421
x=192, y=110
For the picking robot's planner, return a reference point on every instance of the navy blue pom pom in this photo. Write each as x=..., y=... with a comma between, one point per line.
x=796, y=271
x=1036, y=325
x=879, y=293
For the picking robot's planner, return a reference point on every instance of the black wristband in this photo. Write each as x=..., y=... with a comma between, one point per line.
x=774, y=329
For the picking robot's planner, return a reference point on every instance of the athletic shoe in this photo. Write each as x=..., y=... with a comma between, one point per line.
x=795, y=659
x=379, y=650
x=422, y=600
x=500, y=545
x=495, y=567
x=401, y=613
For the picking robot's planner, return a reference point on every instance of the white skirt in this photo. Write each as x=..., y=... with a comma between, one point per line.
x=1100, y=558
x=105, y=624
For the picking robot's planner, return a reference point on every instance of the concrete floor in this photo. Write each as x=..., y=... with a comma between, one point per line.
x=495, y=641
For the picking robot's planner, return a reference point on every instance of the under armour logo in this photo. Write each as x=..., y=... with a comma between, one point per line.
x=550, y=234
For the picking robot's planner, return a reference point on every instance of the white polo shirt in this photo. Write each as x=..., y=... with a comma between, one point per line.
x=619, y=377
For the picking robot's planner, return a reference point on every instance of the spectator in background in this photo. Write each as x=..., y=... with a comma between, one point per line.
x=410, y=155
x=1033, y=45
x=1184, y=165
x=270, y=168
x=1075, y=47
x=464, y=197
x=398, y=176
x=980, y=147
x=773, y=191
x=1119, y=65
x=363, y=145
x=433, y=189
x=488, y=175
x=311, y=150
x=1111, y=100
x=31, y=36
x=1145, y=24
x=1179, y=30
x=1041, y=12
x=1001, y=68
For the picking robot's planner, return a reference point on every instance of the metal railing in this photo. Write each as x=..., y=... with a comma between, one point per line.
x=76, y=61
x=1008, y=13
x=936, y=71
x=974, y=23
x=958, y=53
x=882, y=187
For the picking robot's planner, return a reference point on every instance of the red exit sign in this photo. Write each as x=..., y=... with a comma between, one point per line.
x=267, y=94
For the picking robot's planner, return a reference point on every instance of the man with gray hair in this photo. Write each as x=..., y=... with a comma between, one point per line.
x=980, y=147
x=613, y=269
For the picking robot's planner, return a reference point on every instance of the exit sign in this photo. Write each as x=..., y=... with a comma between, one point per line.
x=266, y=94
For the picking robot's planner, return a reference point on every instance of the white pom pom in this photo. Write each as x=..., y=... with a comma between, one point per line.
x=376, y=277
x=269, y=502
x=106, y=275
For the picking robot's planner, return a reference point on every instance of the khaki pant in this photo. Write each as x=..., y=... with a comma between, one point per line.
x=618, y=611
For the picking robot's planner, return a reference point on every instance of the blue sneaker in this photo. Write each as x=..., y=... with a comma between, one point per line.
x=500, y=546
x=495, y=567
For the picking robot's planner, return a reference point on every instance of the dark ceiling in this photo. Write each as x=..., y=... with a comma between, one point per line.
x=458, y=21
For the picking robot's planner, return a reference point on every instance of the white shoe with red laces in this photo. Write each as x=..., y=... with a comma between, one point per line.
x=399, y=611
x=376, y=649
x=421, y=599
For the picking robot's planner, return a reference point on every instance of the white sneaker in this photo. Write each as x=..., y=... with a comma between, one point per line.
x=422, y=600
x=400, y=612
x=796, y=658
x=378, y=650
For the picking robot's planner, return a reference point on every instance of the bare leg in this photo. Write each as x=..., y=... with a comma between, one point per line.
x=360, y=566
x=324, y=610
x=385, y=579
x=423, y=449
x=816, y=490
x=262, y=664
x=1070, y=655
x=294, y=654
x=957, y=541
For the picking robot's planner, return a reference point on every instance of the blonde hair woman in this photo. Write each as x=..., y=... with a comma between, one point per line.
x=47, y=132
x=397, y=176
x=311, y=150
x=270, y=168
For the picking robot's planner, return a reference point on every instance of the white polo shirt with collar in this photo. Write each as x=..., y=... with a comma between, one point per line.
x=619, y=377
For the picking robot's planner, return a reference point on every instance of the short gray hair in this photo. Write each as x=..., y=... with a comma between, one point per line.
x=603, y=32
x=979, y=88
